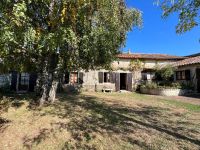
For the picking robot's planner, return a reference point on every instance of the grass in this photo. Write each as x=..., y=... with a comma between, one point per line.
x=179, y=104
x=100, y=121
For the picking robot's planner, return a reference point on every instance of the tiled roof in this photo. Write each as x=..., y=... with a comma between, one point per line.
x=188, y=61
x=150, y=56
x=194, y=55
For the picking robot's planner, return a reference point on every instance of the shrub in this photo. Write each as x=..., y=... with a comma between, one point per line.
x=168, y=85
x=187, y=86
x=166, y=73
x=150, y=85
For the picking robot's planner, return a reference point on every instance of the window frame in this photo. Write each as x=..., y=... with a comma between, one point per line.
x=181, y=75
x=24, y=79
x=106, y=77
x=68, y=78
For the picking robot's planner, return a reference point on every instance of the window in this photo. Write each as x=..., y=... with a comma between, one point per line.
x=24, y=79
x=183, y=75
x=148, y=76
x=73, y=77
x=144, y=76
x=106, y=77
x=4, y=79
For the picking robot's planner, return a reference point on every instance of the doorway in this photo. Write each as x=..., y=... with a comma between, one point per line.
x=198, y=79
x=123, y=81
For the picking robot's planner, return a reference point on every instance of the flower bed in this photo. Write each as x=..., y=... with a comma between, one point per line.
x=164, y=92
x=174, y=89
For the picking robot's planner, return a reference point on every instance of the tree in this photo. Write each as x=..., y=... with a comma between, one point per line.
x=165, y=73
x=50, y=37
x=188, y=11
x=136, y=65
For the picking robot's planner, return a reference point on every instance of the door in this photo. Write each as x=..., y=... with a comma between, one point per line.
x=198, y=79
x=129, y=82
x=123, y=81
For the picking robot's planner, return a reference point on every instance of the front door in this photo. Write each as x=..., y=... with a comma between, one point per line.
x=123, y=81
x=198, y=79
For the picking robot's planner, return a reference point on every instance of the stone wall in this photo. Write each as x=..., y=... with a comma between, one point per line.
x=192, y=69
x=164, y=92
x=91, y=79
x=150, y=64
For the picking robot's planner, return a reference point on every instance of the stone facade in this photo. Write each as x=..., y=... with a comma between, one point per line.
x=121, y=67
x=193, y=75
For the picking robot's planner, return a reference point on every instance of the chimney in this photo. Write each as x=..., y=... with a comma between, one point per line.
x=129, y=51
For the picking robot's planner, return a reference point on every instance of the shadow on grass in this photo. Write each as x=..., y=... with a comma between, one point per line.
x=17, y=100
x=105, y=118
x=90, y=116
x=30, y=141
x=3, y=124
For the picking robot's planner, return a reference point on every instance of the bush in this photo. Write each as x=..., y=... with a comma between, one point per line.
x=166, y=73
x=150, y=85
x=187, y=86
x=168, y=85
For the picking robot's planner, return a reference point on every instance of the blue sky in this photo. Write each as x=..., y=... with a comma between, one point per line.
x=158, y=35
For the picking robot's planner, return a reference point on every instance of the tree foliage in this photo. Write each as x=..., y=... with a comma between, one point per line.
x=136, y=65
x=51, y=36
x=165, y=73
x=187, y=10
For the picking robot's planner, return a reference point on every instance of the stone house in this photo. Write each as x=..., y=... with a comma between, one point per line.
x=119, y=77
x=188, y=71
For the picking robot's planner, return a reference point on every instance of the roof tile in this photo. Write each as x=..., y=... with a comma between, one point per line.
x=150, y=56
x=188, y=61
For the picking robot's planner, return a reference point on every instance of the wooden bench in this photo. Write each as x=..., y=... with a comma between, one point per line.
x=107, y=90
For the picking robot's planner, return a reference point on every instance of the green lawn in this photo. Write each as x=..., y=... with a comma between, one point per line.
x=100, y=121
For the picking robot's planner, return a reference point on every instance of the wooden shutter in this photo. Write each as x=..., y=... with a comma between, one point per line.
x=187, y=75
x=112, y=75
x=129, y=81
x=176, y=75
x=32, y=81
x=100, y=77
x=80, y=78
x=117, y=81
x=66, y=78
x=13, y=80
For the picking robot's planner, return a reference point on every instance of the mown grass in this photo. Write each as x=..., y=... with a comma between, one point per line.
x=179, y=104
x=167, y=101
x=100, y=121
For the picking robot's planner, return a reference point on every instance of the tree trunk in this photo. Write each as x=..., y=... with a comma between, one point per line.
x=43, y=84
x=52, y=92
x=44, y=97
x=48, y=81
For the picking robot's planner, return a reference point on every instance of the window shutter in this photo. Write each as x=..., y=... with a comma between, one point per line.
x=129, y=81
x=187, y=74
x=80, y=78
x=13, y=80
x=32, y=81
x=100, y=77
x=66, y=77
x=112, y=75
x=177, y=77
x=117, y=81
